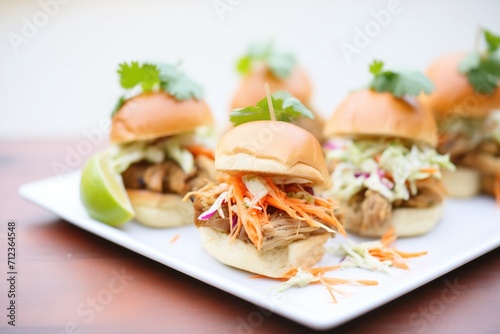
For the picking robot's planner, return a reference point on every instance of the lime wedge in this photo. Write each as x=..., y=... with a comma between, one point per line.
x=102, y=192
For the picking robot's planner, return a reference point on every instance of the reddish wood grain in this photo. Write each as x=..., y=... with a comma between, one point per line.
x=71, y=281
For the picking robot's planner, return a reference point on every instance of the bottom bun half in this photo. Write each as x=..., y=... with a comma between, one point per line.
x=462, y=183
x=273, y=263
x=407, y=222
x=160, y=210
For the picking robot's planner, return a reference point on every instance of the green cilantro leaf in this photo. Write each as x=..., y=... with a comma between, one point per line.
x=280, y=64
x=286, y=108
x=244, y=65
x=482, y=81
x=146, y=75
x=483, y=69
x=376, y=67
x=400, y=84
x=470, y=62
x=492, y=41
x=183, y=88
x=178, y=84
x=151, y=77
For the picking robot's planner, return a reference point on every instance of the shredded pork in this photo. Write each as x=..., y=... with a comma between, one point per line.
x=369, y=210
x=168, y=176
x=282, y=230
x=470, y=148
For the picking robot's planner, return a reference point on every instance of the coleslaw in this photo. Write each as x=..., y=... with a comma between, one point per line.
x=385, y=166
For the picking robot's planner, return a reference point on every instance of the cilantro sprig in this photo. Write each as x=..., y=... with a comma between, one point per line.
x=286, y=108
x=399, y=83
x=151, y=77
x=280, y=64
x=483, y=68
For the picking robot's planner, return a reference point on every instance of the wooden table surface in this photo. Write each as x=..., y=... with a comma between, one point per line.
x=65, y=275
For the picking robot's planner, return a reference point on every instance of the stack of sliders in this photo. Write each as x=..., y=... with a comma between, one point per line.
x=158, y=144
x=466, y=104
x=385, y=170
x=263, y=64
x=263, y=215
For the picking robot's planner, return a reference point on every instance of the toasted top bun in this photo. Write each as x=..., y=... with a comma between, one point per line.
x=251, y=89
x=153, y=115
x=453, y=94
x=367, y=113
x=272, y=148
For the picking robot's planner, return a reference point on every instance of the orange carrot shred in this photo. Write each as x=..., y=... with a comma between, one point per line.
x=201, y=150
x=175, y=238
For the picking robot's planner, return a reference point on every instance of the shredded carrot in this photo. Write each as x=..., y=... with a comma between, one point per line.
x=175, y=238
x=497, y=188
x=201, y=150
x=312, y=270
x=430, y=170
x=251, y=217
x=396, y=257
x=319, y=278
x=289, y=205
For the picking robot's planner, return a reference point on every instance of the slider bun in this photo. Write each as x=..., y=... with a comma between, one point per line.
x=251, y=89
x=367, y=113
x=453, y=94
x=271, y=148
x=272, y=263
x=462, y=183
x=158, y=114
x=408, y=222
x=160, y=210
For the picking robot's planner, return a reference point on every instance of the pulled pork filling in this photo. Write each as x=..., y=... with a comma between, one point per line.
x=243, y=208
x=171, y=164
x=374, y=177
x=475, y=143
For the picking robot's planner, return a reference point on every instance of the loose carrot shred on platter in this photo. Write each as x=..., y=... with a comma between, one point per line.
x=396, y=257
x=175, y=238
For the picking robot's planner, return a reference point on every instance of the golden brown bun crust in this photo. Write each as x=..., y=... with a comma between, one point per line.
x=271, y=148
x=453, y=94
x=252, y=90
x=407, y=222
x=160, y=210
x=153, y=115
x=273, y=263
x=369, y=113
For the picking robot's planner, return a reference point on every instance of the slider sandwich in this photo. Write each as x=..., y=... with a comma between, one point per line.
x=385, y=169
x=264, y=64
x=466, y=104
x=263, y=215
x=159, y=142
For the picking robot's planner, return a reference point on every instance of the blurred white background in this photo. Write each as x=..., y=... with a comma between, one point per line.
x=58, y=58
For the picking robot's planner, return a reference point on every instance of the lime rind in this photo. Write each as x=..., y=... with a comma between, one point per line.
x=103, y=194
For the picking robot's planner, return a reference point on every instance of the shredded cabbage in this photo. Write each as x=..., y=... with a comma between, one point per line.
x=302, y=278
x=153, y=151
x=383, y=166
x=256, y=186
x=357, y=255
